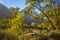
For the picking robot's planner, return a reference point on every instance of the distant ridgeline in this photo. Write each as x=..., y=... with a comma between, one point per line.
x=28, y=20
x=4, y=12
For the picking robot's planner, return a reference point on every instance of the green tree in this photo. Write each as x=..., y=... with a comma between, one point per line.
x=47, y=5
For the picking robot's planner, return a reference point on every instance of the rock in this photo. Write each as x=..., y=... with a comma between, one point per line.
x=4, y=11
x=28, y=20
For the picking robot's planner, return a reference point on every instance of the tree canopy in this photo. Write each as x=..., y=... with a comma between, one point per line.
x=15, y=27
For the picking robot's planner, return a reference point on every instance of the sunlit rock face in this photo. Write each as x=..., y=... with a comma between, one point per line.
x=4, y=11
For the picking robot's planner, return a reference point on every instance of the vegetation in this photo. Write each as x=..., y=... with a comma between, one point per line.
x=14, y=28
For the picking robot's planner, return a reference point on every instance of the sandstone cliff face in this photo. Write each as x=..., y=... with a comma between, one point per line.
x=4, y=11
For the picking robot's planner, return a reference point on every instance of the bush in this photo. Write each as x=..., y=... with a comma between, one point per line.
x=4, y=35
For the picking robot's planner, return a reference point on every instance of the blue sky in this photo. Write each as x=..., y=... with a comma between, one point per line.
x=14, y=3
